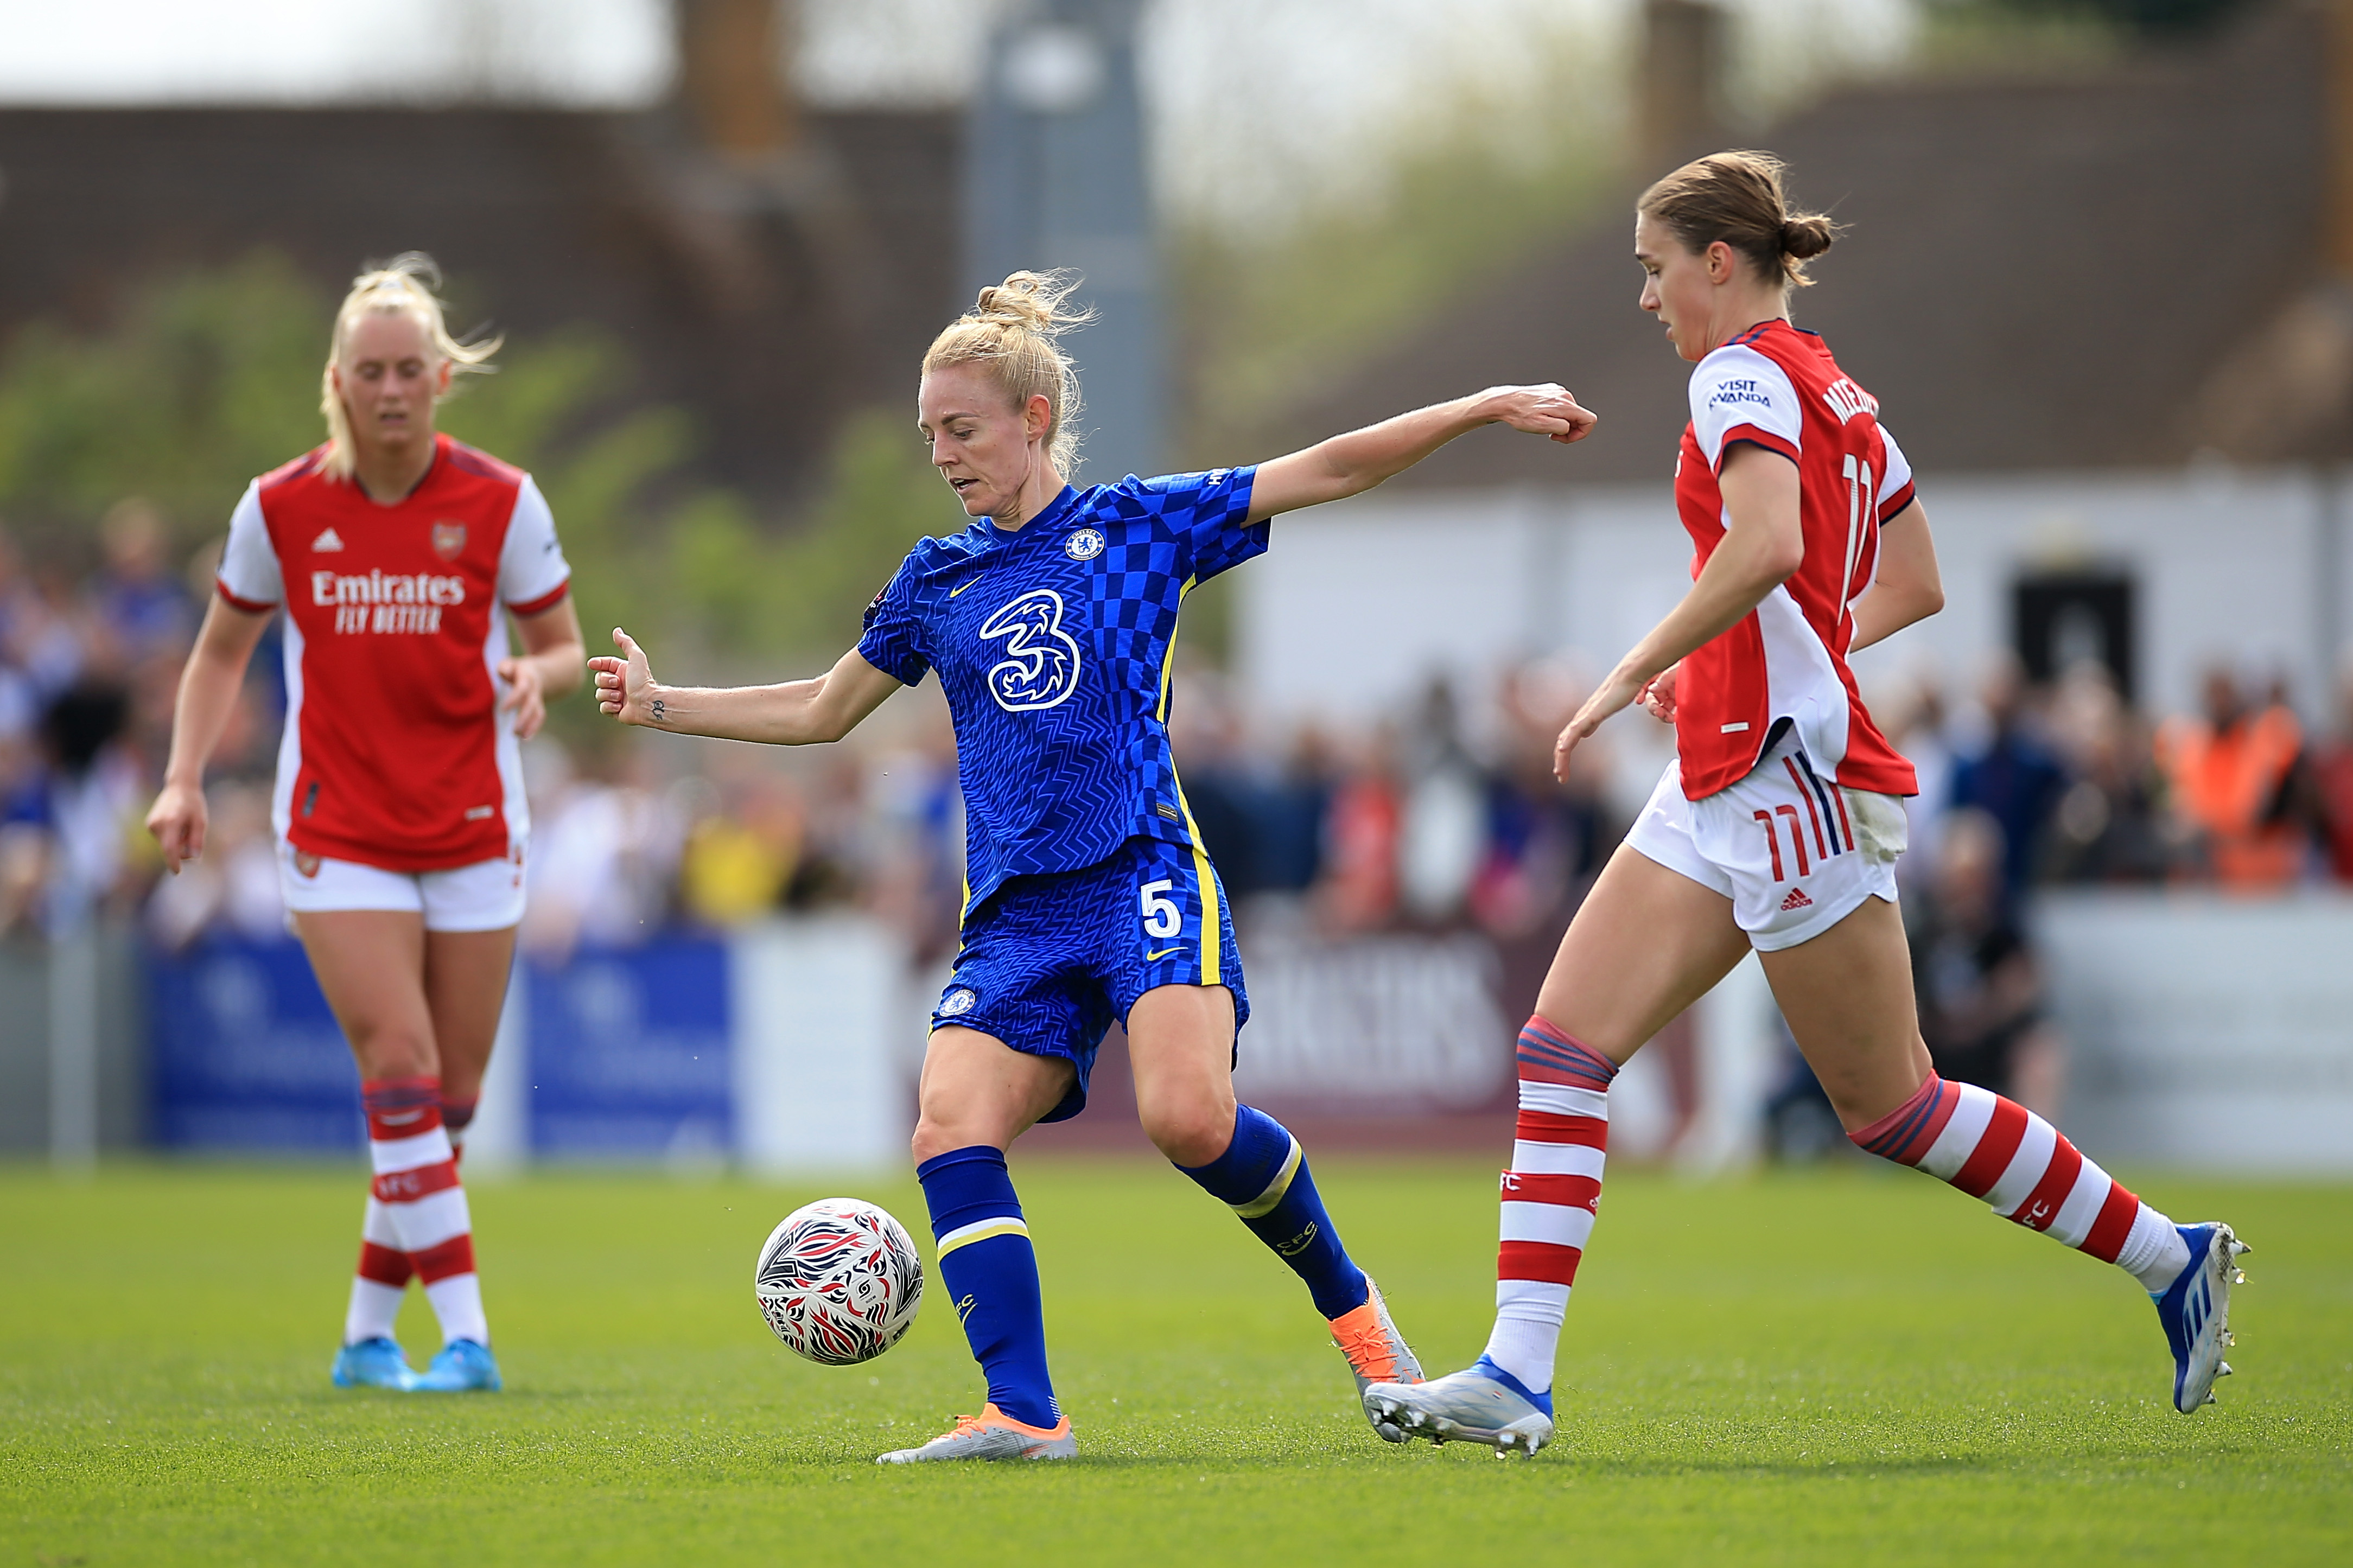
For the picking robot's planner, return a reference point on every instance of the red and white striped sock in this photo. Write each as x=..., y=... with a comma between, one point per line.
x=1997, y=1150
x=423, y=1201
x=1549, y=1196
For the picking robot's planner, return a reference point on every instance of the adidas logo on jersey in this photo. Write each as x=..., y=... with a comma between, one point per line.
x=1796, y=900
x=329, y=539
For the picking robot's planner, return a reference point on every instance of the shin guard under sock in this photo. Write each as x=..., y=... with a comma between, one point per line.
x=1997, y=1150
x=1263, y=1176
x=990, y=1271
x=1549, y=1196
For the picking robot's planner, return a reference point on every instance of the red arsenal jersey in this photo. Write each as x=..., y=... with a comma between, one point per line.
x=396, y=753
x=1785, y=661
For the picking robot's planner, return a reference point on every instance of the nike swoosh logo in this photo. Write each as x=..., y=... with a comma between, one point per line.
x=961, y=587
x=1156, y=957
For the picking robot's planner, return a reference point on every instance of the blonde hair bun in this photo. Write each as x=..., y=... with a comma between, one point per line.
x=1013, y=330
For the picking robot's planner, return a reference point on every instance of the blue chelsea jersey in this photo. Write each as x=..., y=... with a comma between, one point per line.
x=1054, y=645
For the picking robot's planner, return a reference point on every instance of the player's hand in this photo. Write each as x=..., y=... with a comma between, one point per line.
x=625, y=686
x=1549, y=409
x=177, y=821
x=526, y=696
x=1658, y=699
x=1620, y=690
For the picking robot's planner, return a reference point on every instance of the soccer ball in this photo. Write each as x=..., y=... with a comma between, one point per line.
x=838, y=1281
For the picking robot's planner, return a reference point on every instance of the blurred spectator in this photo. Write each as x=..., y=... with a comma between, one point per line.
x=2012, y=777
x=2331, y=786
x=1919, y=725
x=141, y=609
x=2109, y=825
x=1980, y=996
x=1362, y=836
x=2232, y=773
x=603, y=854
x=1544, y=839
x=1443, y=831
x=742, y=852
x=88, y=795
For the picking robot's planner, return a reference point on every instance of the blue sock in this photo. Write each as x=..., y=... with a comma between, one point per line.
x=991, y=1274
x=1263, y=1177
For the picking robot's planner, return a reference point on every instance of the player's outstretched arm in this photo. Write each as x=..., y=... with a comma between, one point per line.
x=1905, y=586
x=1351, y=464
x=797, y=713
x=1764, y=545
x=208, y=688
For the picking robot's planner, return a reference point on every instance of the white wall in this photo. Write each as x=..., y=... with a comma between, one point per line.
x=1356, y=602
x=2205, y=1032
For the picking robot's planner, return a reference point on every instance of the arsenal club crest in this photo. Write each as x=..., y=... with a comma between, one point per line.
x=448, y=539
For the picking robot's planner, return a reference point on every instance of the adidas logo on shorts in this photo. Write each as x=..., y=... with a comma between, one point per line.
x=1796, y=900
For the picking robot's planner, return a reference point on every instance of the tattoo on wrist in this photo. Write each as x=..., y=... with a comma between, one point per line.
x=661, y=709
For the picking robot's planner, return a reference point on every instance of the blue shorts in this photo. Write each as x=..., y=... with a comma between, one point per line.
x=1049, y=961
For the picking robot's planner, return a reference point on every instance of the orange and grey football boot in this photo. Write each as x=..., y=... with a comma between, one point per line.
x=991, y=1434
x=1377, y=1353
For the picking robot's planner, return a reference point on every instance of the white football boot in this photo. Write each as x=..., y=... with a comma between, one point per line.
x=1482, y=1404
x=991, y=1434
x=2196, y=1311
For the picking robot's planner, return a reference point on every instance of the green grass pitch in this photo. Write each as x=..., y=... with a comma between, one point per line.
x=1793, y=1369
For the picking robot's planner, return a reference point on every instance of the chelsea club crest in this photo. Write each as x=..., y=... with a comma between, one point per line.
x=1084, y=546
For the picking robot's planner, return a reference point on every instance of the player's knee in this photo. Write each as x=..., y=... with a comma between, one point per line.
x=1192, y=1130
x=930, y=1140
x=393, y=1050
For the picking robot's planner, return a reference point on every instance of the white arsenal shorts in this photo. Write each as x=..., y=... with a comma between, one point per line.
x=1795, y=852
x=485, y=896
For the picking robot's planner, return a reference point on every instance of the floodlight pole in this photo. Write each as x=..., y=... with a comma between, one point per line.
x=1055, y=177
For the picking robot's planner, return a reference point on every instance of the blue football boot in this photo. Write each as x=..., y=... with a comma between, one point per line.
x=2196, y=1311
x=1482, y=1404
x=462, y=1364
x=372, y=1364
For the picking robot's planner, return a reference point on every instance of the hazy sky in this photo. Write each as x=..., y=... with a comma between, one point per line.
x=1258, y=105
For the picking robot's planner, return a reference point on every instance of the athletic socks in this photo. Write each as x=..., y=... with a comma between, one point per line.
x=457, y=1115
x=991, y=1274
x=1549, y=1196
x=417, y=1206
x=384, y=1269
x=1997, y=1150
x=1263, y=1176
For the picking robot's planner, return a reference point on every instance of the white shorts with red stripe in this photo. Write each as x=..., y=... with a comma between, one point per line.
x=1794, y=851
x=485, y=896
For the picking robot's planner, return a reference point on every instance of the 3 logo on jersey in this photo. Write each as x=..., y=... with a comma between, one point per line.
x=1041, y=668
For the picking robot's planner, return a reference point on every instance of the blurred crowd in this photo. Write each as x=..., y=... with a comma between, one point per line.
x=1441, y=815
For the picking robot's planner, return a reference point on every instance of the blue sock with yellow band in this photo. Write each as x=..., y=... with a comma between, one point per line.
x=990, y=1271
x=1263, y=1176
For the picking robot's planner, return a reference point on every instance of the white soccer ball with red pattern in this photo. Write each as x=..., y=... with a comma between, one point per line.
x=838, y=1281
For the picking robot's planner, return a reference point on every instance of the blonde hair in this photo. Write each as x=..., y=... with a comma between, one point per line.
x=1013, y=330
x=404, y=286
x=1736, y=197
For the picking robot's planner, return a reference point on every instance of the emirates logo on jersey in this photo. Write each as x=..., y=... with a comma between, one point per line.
x=448, y=539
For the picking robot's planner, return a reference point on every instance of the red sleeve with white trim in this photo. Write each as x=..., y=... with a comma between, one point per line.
x=532, y=573
x=1739, y=395
x=249, y=577
x=1895, y=487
